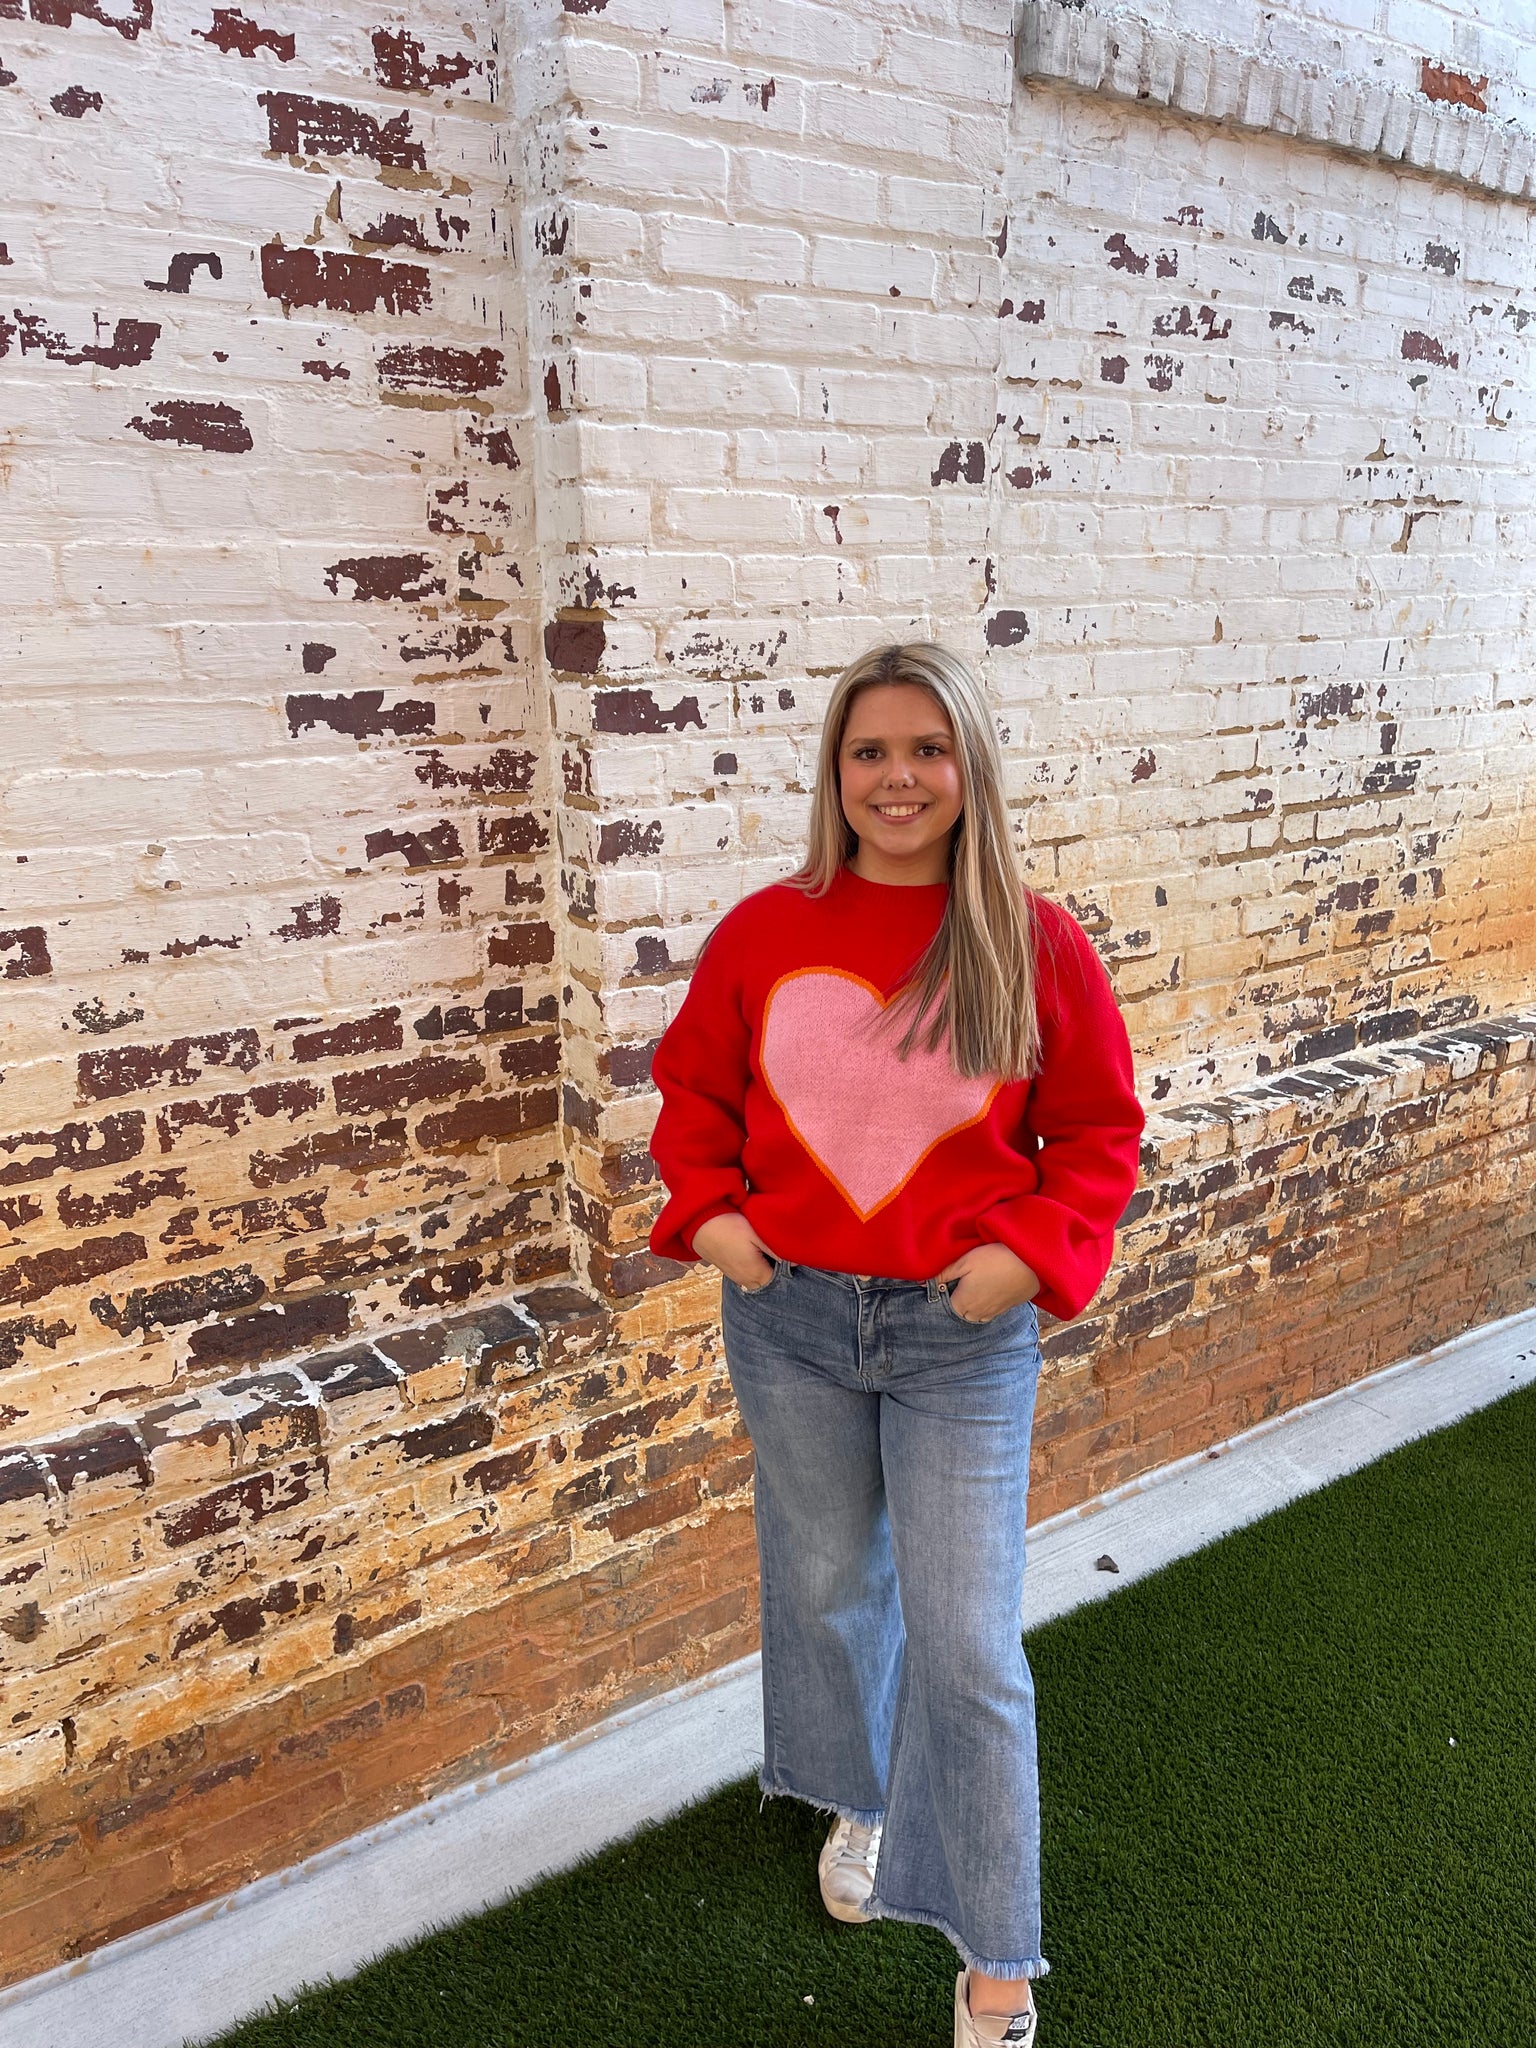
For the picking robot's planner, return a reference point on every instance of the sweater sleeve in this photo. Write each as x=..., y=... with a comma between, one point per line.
x=701, y=1067
x=1085, y=1123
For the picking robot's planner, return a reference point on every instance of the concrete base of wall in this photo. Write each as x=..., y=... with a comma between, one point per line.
x=191, y=1976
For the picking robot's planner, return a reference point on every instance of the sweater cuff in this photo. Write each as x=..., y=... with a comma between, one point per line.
x=672, y=1235
x=1069, y=1259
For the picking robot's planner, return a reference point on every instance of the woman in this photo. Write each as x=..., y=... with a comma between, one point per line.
x=897, y=1114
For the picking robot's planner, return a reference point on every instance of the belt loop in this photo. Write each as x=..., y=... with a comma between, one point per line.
x=933, y=1290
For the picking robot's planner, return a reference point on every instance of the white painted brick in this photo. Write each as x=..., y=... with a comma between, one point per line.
x=818, y=328
x=740, y=390
x=873, y=399
x=603, y=74
x=885, y=521
x=604, y=382
x=828, y=41
x=803, y=188
x=819, y=581
x=755, y=100
x=647, y=161
x=719, y=249
x=618, y=518
x=892, y=125
x=749, y=518
x=800, y=455
x=636, y=311
x=925, y=206
x=605, y=234
x=885, y=268
x=681, y=21
x=959, y=67
x=657, y=454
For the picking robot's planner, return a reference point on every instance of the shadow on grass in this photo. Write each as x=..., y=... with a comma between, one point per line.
x=1289, y=1798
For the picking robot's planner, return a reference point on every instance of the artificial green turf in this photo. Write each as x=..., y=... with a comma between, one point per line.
x=1289, y=1791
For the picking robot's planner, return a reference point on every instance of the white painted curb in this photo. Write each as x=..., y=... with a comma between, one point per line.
x=192, y=1976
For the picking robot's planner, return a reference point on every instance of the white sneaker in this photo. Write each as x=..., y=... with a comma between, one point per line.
x=990, y=2030
x=846, y=1867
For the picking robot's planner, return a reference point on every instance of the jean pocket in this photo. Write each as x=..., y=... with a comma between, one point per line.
x=752, y=1293
x=966, y=1322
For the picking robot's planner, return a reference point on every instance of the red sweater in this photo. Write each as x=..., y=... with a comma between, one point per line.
x=782, y=1098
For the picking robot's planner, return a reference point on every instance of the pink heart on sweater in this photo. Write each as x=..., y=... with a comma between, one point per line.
x=868, y=1117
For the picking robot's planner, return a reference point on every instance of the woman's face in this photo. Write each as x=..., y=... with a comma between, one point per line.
x=900, y=779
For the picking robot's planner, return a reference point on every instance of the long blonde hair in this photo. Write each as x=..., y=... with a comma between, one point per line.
x=976, y=980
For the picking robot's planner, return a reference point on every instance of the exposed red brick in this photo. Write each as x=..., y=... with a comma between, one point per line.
x=28, y=946
x=75, y=102
x=385, y=578
x=363, y=715
x=575, y=645
x=1424, y=348
x=196, y=423
x=379, y=1032
x=431, y=367
x=132, y=343
x=186, y=1300
x=126, y=1069
x=341, y=282
x=39, y=1274
x=1457, y=88
x=128, y=17
x=522, y=945
x=488, y=1116
x=184, y=266
x=234, y=33
x=352, y=1148
x=508, y=771
x=430, y=1078
x=37, y=1155
x=432, y=847
x=300, y=126
x=400, y=61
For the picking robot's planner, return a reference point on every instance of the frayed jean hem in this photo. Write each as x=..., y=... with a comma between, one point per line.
x=773, y=1788
x=990, y=1966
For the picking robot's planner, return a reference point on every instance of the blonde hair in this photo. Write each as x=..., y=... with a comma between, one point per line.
x=976, y=980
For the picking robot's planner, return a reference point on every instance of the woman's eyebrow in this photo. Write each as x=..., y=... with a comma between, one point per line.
x=878, y=739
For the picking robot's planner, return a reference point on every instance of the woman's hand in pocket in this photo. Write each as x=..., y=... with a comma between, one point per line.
x=729, y=1242
x=987, y=1281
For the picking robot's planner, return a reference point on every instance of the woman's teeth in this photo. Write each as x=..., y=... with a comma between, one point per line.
x=898, y=810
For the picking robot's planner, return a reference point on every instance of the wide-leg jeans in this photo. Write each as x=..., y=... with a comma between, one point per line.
x=892, y=1469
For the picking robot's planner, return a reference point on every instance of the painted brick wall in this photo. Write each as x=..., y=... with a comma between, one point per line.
x=445, y=454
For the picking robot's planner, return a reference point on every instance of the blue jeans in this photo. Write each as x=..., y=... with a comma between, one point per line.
x=892, y=1456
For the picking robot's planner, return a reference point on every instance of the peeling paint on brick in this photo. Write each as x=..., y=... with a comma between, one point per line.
x=967, y=463
x=417, y=848
x=236, y=34
x=24, y=953
x=400, y=61
x=76, y=102
x=132, y=342
x=343, y=283
x=385, y=579
x=362, y=715
x=128, y=17
x=196, y=423
x=1456, y=88
x=1417, y=347
x=300, y=126
x=126, y=1069
x=423, y=366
